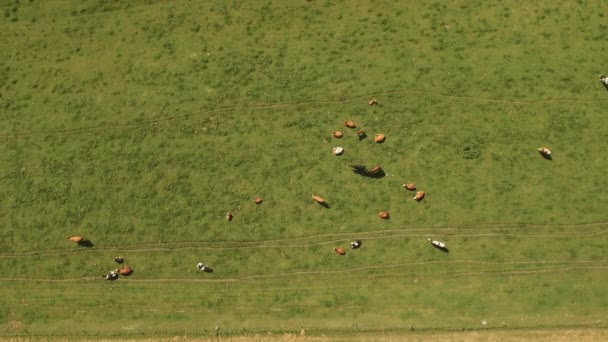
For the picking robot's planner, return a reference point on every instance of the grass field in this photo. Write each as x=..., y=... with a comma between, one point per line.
x=139, y=124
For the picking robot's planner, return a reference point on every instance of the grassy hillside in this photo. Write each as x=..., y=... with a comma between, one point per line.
x=140, y=124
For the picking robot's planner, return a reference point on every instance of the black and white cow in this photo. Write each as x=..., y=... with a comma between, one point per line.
x=604, y=80
x=204, y=267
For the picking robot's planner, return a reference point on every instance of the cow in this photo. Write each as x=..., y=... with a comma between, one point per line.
x=379, y=138
x=204, y=268
x=350, y=124
x=258, y=200
x=604, y=80
x=384, y=215
x=340, y=250
x=338, y=150
x=419, y=196
x=337, y=134
x=125, y=270
x=544, y=151
x=229, y=216
x=361, y=134
x=119, y=260
x=318, y=199
x=409, y=186
x=77, y=239
x=355, y=244
x=372, y=102
x=374, y=170
x=439, y=245
x=112, y=275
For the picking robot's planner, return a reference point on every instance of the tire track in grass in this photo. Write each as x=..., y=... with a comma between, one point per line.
x=244, y=244
x=292, y=104
x=487, y=226
x=353, y=271
x=282, y=243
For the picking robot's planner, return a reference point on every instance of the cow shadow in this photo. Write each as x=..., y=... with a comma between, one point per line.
x=547, y=156
x=86, y=244
x=325, y=205
x=443, y=249
x=379, y=174
x=605, y=85
x=362, y=171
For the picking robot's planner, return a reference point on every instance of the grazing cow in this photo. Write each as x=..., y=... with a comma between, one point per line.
x=112, y=275
x=409, y=186
x=77, y=239
x=350, y=124
x=384, y=215
x=229, y=216
x=337, y=134
x=604, y=80
x=544, y=151
x=318, y=199
x=419, y=196
x=338, y=150
x=340, y=250
x=372, y=102
x=258, y=200
x=379, y=138
x=355, y=244
x=204, y=268
x=119, y=260
x=125, y=270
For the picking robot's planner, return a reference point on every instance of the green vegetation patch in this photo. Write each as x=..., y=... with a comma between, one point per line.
x=140, y=124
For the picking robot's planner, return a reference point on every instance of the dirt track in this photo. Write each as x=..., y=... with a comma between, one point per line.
x=577, y=334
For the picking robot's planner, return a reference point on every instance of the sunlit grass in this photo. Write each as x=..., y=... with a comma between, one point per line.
x=140, y=124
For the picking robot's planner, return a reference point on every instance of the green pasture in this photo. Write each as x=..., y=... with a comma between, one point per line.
x=140, y=124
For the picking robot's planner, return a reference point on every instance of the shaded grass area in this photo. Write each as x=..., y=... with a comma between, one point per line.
x=140, y=124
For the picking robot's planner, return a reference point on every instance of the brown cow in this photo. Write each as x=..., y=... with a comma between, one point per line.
x=337, y=134
x=419, y=196
x=372, y=102
x=374, y=169
x=125, y=270
x=318, y=199
x=350, y=124
x=340, y=250
x=384, y=215
x=77, y=239
x=229, y=216
x=409, y=186
x=258, y=200
x=379, y=138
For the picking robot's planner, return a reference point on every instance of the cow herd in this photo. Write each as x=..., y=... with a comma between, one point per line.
x=375, y=171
